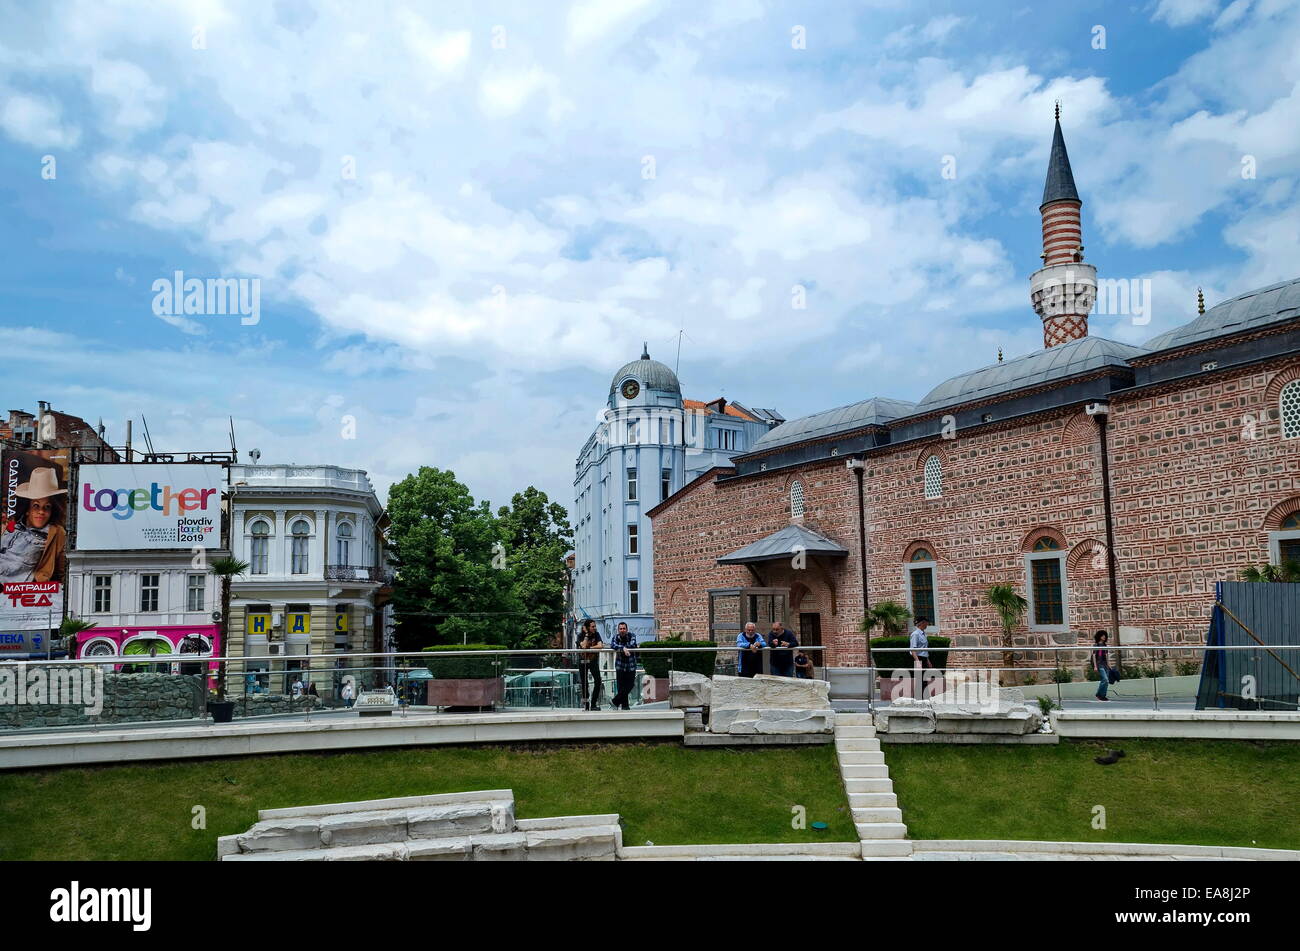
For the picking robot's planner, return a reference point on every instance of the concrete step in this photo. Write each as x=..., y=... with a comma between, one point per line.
x=853, y=719
x=881, y=830
x=877, y=814
x=877, y=785
x=862, y=758
x=856, y=744
x=877, y=800
x=871, y=771
x=852, y=731
x=886, y=848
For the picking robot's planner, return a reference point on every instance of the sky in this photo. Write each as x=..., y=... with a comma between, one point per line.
x=462, y=218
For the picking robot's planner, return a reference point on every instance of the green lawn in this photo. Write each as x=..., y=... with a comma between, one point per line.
x=1199, y=792
x=664, y=792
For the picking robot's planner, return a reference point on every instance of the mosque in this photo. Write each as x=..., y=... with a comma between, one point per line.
x=1112, y=485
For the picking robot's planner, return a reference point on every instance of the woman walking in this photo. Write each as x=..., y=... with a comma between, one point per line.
x=1101, y=662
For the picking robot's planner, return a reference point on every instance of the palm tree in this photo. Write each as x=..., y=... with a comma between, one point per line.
x=69, y=630
x=890, y=616
x=227, y=569
x=1010, y=607
x=1288, y=571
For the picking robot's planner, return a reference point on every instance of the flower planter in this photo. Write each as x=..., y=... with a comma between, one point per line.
x=222, y=711
x=481, y=692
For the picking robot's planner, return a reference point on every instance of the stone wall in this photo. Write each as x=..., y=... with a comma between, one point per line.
x=265, y=704
x=1194, y=500
x=127, y=698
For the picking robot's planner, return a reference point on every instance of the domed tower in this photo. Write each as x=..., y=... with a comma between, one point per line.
x=645, y=382
x=1064, y=289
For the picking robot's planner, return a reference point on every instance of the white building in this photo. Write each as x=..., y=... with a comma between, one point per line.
x=317, y=583
x=650, y=443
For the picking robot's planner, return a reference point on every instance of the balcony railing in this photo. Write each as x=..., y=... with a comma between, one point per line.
x=358, y=573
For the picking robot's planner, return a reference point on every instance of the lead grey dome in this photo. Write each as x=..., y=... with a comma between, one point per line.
x=1042, y=366
x=651, y=374
x=1267, y=305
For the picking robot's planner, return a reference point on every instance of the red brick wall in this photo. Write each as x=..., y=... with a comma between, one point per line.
x=1191, y=496
x=1193, y=482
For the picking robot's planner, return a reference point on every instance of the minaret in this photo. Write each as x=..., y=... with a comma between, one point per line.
x=1064, y=289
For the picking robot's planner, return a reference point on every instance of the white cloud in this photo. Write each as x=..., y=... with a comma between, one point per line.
x=35, y=121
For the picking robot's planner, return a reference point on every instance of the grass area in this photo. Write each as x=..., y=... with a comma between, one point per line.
x=1191, y=792
x=665, y=793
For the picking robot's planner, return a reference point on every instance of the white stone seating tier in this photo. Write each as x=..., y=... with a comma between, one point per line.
x=470, y=826
x=994, y=710
x=766, y=704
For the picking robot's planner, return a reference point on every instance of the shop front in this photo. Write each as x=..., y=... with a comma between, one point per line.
x=176, y=649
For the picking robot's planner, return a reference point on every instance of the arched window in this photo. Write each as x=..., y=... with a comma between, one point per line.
x=301, y=532
x=345, y=543
x=919, y=574
x=258, y=547
x=1289, y=404
x=933, y=478
x=1045, y=566
x=1286, y=540
x=796, y=499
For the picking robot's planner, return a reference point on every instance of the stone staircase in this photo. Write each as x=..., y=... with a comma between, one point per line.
x=458, y=827
x=876, y=815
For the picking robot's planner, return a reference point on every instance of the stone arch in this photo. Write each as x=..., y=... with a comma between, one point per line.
x=799, y=594
x=911, y=550
x=934, y=449
x=1273, y=392
x=1043, y=531
x=1079, y=429
x=1280, y=513
x=1085, y=554
x=676, y=597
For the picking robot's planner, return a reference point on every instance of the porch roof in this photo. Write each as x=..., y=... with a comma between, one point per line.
x=785, y=544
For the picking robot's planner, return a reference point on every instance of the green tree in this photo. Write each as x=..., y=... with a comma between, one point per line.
x=454, y=584
x=536, y=534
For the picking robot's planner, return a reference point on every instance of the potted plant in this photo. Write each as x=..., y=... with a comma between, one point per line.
x=464, y=681
x=1010, y=607
x=227, y=569
x=698, y=659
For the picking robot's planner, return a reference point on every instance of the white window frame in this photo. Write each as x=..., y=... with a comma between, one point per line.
x=665, y=483
x=1275, y=543
x=908, y=568
x=1059, y=555
x=728, y=439
x=633, y=596
x=343, y=543
x=631, y=474
x=633, y=547
x=156, y=588
x=96, y=588
x=190, y=588
x=300, y=548
x=254, y=538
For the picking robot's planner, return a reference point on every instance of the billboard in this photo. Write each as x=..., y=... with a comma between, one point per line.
x=156, y=506
x=33, y=540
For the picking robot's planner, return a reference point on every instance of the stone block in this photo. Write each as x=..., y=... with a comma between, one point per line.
x=460, y=819
x=686, y=689
x=281, y=835
x=905, y=716
x=508, y=847
x=573, y=844
x=362, y=828
x=439, y=850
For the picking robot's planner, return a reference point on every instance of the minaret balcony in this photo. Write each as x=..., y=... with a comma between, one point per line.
x=1063, y=289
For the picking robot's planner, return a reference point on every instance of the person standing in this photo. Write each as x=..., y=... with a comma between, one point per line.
x=782, y=644
x=1101, y=663
x=624, y=644
x=749, y=659
x=919, y=647
x=348, y=695
x=589, y=662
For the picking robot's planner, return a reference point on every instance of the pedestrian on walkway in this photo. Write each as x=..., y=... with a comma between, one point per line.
x=624, y=644
x=749, y=659
x=589, y=663
x=1106, y=674
x=349, y=696
x=781, y=643
x=919, y=647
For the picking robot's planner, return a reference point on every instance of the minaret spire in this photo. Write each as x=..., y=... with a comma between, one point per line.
x=1063, y=290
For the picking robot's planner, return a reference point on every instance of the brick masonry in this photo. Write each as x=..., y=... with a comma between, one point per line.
x=1197, y=470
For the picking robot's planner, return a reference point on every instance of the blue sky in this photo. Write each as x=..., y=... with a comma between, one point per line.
x=535, y=189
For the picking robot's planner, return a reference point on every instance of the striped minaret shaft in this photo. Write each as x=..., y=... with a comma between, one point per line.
x=1065, y=296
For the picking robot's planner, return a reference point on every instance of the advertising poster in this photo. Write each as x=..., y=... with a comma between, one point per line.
x=154, y=506
x=33, y=545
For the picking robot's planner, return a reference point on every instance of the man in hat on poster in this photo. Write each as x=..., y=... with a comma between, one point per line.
x=31, y=547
